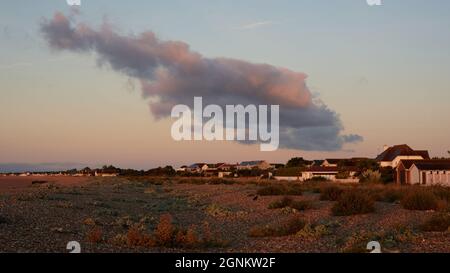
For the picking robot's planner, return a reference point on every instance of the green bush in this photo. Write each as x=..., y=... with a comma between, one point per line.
x=282, y=203
x=285, y=228
x=331, y=193
x=280, y=190
x=301, y=205
x=353, y=202
x=438, y=222
x=390, y=195
x=420, y=199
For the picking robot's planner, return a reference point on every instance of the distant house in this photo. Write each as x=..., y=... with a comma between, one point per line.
x=331, y=162
x=227, y=167
x=391, y=156
x=197, y=167
x=423, y=172
x=257, y=164
x=317, y=162
x=182, y=168
x=106, y=173
x=345, y=174
x=276, y=165
x=330, y=173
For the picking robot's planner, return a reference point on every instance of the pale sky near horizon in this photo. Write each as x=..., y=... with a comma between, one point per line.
x=385, y=71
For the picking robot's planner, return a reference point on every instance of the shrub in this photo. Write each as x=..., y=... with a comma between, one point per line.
x=216, y=210
x=280, y=190
x=188, y=238
x=419, y=199
x=370, y=176
x=301, y=205
x=95, y=235
x=136, y=236
x=343, y=175
x=313, y=231
x=318, y=179
x=442, y=193
x=353, y=202
x=165, y=231
x=282, y=203
x=285, y=228
x=218, y=181
x=438, y=222
x=331, y=193
x=390, y=196
x=288, y=202
x=3, y=220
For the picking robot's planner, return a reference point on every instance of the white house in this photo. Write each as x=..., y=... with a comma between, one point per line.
x=197, y=167
x=423, y=172
x=329, y=173
x=391, y=156
x=330, y=162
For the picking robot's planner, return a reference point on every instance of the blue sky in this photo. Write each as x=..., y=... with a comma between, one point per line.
x=384, y=70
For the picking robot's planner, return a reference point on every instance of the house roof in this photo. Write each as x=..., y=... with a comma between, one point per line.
x=329, y=169
x=400, y=150
x=197, y=165
x=429, y=165
x=333, y=160
x=251, y=163
x=318, y=162
x=408, y=163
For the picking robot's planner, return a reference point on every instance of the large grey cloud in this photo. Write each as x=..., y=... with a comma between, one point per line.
x=171, y=73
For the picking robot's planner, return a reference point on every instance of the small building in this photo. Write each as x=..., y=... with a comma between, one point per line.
x=104, y=173
x=182, y=169
x=331, y=173
x=256, y=164
x=318, y=162
x=331, y=162
x=337, y=174
x=197, y=168
x=423, y=172
x=391, y=156
x=227, y=167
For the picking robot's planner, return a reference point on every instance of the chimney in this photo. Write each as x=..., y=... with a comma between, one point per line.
x=385, y=147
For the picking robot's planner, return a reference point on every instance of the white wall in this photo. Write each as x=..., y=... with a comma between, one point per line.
x=433, y=177
x=394, y=163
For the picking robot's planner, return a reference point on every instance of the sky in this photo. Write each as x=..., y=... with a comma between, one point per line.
x=383, y=71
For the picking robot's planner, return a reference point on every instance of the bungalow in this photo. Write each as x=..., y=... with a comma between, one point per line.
x=331, y=173
x=257, y=164
x=331, y=162
x=197, y=167
x=106, y=173
x=317, y=162
x=227, y=167
x=345, y=174
x=182, y=168
x=423, y=172
x=391, y=156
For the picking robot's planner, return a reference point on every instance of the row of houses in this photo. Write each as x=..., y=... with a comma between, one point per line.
x=408, y=166
x=225, y=169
